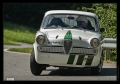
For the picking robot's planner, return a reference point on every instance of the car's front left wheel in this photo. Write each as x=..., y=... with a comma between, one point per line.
x=36, y=68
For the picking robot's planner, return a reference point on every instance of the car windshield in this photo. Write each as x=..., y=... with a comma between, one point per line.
x=72, y=21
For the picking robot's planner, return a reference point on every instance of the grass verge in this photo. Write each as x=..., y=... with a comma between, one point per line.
x=9, y=42
x=17, y=33
x=22, y=50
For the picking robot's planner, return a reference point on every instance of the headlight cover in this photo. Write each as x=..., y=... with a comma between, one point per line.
x=40, y=39
x=94, y=42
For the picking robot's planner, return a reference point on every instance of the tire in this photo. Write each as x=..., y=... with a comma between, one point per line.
x=36, y=69
x=96, y=70
x=63, y=71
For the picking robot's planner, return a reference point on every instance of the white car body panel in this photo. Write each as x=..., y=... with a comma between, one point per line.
x=62, y=59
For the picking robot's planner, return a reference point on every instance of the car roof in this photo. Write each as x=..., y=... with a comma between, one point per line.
x=71, y=12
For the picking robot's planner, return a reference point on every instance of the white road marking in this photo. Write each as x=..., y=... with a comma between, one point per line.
x=5, y=49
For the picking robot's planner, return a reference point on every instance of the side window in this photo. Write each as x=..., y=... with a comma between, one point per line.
x=91, y=23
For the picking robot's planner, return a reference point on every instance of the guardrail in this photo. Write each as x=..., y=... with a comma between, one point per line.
x=107, y=44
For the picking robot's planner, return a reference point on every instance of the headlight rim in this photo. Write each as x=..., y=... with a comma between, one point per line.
x=37, y=39
x=92, y=43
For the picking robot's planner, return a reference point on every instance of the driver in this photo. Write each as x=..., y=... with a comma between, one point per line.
x=83, y=22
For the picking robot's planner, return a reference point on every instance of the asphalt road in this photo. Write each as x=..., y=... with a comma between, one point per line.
x=17, y=67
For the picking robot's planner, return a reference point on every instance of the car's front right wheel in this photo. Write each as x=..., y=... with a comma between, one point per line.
x=96, y=70
x=36, y=68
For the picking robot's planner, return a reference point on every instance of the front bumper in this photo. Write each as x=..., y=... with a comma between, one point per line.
x=65, y=60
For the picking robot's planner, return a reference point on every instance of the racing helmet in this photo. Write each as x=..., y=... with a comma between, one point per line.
x=82, y=18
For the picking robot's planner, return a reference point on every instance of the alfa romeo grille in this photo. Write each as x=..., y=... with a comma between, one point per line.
x=72, y=51
x=52, y=49
x=83, y=51
x=67, y=46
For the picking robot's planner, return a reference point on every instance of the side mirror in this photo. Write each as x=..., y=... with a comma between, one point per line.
x=102, y=29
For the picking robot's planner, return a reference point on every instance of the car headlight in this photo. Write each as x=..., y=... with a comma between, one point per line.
x=40, y=39
x=94, y=42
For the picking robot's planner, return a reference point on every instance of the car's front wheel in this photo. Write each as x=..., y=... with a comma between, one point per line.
x=36, y=68
x=96, y=70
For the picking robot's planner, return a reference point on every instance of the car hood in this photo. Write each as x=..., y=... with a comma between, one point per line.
x=75, y=33
x=80, y=38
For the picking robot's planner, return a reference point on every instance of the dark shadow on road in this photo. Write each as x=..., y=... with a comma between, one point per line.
x=86, y=72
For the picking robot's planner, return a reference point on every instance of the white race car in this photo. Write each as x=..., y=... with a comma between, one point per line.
x=68, y=39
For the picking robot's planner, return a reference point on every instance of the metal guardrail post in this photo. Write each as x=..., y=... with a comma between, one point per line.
x=107, y=54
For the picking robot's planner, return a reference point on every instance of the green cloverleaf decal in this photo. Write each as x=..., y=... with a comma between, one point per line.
x=68, y=35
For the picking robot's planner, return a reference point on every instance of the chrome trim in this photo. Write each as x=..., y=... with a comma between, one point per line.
x=84, y=51
x=52, y=49
x=60, y=49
